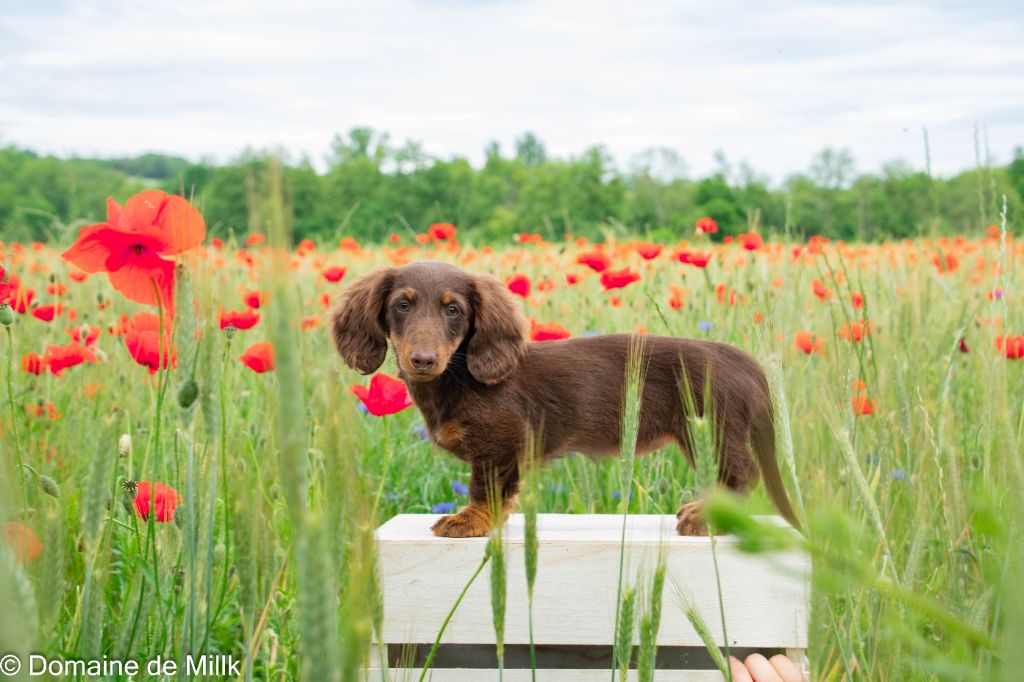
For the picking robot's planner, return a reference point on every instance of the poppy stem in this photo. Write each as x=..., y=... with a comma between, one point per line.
x=14, y=420
x=387, y=468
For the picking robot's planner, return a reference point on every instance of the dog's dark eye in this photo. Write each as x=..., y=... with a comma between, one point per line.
x=403, y=306
x=452, y=310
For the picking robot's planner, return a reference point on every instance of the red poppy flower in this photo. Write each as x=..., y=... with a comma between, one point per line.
x=56, y=289
x=751, y=241
x=142, y=338
x=21, y=299
x=239, y=319
x=820, y=290
x=962, y=345
x=47, y=312
x=255, y=299
x=863, y=406
x=33, y=363
x=335, y=273
x=617, y=279
x=519, y=285
x=855, y=331
x=551, y=331
x=648, y=251
x=706, y=225
x=809, y=343
x=676, y=300
x=307, y=245
x=40, y=409
x=255, y=239
x=698, y=259
x=571, y=278
x=23, y=541
x=6, y=288
x=385, y=395
x=440, y=232
x=348, y=244
x=134, y=246
x=596, y=260
x=946, y=262
x=162, y=499
x=309, y=322
x=1011, y=346
x=725, y=295
x=91, y=334
x=59, y=358
x=259, y=357
x=857, y=299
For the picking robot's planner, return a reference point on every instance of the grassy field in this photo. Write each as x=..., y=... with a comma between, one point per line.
x=901, y=441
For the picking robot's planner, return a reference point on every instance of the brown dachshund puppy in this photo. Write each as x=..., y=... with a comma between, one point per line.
x=461, y=344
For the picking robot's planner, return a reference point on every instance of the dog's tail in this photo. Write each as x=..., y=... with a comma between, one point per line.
x=762, y=437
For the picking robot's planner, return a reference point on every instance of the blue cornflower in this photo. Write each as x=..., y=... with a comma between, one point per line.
x=443, y=508
x=459, y=488
x=391, y=497
x=421, y=431
x=706, y=325
x=361, y=407
x=897, y=474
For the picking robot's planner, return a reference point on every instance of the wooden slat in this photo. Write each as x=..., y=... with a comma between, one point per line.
x=555, y=675
x=765, y=597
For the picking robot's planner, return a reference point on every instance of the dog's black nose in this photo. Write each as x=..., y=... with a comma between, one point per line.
x=422, y=360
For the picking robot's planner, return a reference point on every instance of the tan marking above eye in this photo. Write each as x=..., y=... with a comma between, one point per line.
x=410, y=293
x=448, y=298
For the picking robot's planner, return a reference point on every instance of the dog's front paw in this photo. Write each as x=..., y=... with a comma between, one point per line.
x=690, y=520
x=468, y=523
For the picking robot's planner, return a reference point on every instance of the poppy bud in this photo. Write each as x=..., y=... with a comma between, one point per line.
x=124, y=445
x=49, y=486
x=6, y=315
x=187, y=393
x=218, y=553
x=229, y=332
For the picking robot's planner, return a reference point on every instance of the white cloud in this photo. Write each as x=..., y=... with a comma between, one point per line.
x=770, y=83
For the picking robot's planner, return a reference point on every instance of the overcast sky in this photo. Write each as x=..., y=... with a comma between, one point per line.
x=766, y=82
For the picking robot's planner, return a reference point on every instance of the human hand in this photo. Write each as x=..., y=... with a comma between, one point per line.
x=757, y=668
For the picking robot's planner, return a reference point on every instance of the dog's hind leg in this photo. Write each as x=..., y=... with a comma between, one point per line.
x=737, y=471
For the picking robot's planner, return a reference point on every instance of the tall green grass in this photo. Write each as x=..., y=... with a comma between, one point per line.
x=911, y=512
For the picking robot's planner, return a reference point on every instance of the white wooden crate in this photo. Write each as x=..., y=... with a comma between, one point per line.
x=765, y=597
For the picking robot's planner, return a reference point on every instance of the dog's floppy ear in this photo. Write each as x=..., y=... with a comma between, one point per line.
x=357, y=321
x=499, y=332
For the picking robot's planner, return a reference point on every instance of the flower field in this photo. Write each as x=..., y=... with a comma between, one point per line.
x=188, y=467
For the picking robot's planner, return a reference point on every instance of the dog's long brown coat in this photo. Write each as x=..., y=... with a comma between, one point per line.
x=461, y=345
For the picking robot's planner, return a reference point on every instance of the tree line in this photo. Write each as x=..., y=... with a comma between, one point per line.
x=372, y=188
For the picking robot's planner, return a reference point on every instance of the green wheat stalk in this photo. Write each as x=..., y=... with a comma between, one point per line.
x=631, y=400
x=496, y=550
x=689, y=607
x=650, y=623
x=624, y=632
x=529, y=500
